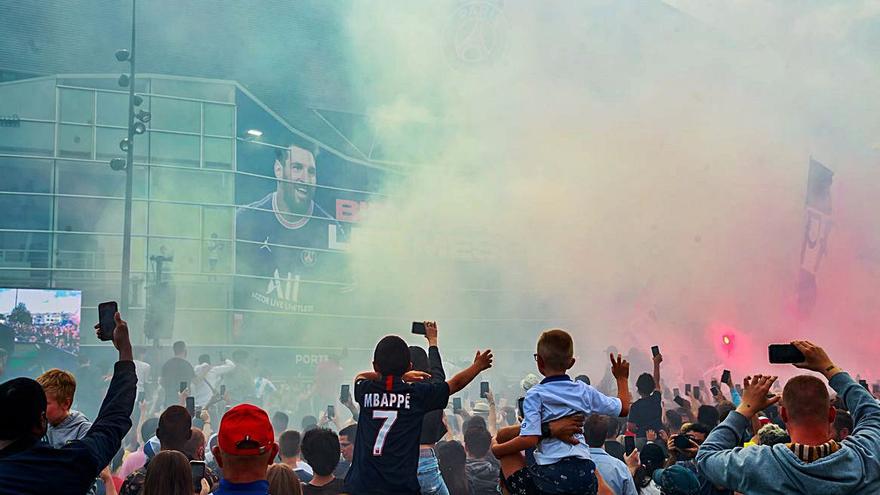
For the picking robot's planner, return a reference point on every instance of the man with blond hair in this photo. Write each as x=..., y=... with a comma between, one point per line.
x=65, y=424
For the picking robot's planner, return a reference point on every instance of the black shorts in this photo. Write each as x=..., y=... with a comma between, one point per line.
x=569, y=476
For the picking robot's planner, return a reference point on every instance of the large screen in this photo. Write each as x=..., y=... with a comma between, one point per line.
x=43, y=316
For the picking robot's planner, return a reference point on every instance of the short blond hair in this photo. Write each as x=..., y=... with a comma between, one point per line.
x=556, y=348
x=60, y=384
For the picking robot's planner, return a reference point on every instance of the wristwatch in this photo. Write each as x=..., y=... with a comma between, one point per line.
x=545, y=430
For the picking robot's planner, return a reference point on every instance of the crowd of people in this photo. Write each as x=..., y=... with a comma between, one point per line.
x=64, y=335
x=404, y=431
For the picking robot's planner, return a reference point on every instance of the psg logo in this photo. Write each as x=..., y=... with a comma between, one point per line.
x=476, y=35
x=308, y=257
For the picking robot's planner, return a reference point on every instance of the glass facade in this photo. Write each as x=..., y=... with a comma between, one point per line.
x=63, y=206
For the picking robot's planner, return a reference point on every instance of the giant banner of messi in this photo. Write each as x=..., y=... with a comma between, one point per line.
x=296, y=203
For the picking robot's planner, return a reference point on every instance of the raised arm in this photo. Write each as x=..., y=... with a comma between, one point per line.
x=114, y=419
x=434, y=361
x=620, y=371
x=657, y=360
x=482, y=361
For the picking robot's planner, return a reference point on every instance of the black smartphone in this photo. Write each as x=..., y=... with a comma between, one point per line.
x=629, y=443
x=696, y=392
x=418, y=328
x=864, y=383
x=191, y=406
x=331, y=412
x=344, y=393
x=182, y=386
x=655, y=350
x=106, y=319
x=680, y=401
x=715, y=391
x=456, y=404
x=198, y=472
x=681, y=442
x=687, y=388
x=519, y=406
x=484, y=390
x=222, y=391
x=785, y=354
x=676, y=392
x=725, y=376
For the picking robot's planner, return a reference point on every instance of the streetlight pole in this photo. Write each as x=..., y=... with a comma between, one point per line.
x=129, y=176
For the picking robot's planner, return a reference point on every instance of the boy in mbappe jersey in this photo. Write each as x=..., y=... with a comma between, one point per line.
x=393, y=401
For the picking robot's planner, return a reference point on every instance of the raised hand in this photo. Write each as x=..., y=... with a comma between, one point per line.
x=756, y=395
x=431, y=332
x=619, y=367
x=483, y=360
x=815, y=358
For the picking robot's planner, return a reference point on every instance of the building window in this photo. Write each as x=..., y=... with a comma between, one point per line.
x=174, y=149
x=219, y=119
x=29, y=138
x=75, y=141
x=25, y=175
x=175, y=115
x=77, y=106
x=113, y=109
x=218, y=153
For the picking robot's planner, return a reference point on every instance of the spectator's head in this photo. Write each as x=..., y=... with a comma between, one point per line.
x=452, y=460
x=283, y=481
x=697, y=431
x=280, y=421
x=673, y=420
x=474, y=422
x=320, y=448
x=391, y=356
x=347, y=437
x=596, y=430
x=22, y=410
x=245, y=444
x=724, y=407
x=645, y=384
x=708, y=415
x=652, y=457
x=477, y=441
x=168, y=472
x=612, y=429
x=59, y=386
x=419, y=358
x=771, y=434
x=806, y=406
x=583, y=378
x=205, y=359
x=289, y=444
x=677, y=480
x=195, y=446
x=148, y=429
x=555, y=352
x=309, y=423
x=843, y=425
x=180, y=349
x=529, y=381
x=175, y=428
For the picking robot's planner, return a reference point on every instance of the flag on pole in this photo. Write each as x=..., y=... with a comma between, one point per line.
x=817, y=228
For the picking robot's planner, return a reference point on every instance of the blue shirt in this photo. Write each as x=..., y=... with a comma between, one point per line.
x=614, y=472
x=556, y=397
x=259, y=487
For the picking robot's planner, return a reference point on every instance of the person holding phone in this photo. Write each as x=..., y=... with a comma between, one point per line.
x=28, y=464
x=813, y=462
x=174, y=371
x=433, y=427
x=647, y=412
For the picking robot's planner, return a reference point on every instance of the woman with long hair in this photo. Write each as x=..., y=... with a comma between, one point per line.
x=283, y=481
x=169, y=473
x=452, y=458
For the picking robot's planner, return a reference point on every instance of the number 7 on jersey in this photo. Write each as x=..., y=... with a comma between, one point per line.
x=388, y=417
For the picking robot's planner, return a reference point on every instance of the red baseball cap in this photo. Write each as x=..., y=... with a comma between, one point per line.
x=245, y=430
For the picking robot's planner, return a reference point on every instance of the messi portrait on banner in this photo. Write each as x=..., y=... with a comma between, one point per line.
x=289, y=249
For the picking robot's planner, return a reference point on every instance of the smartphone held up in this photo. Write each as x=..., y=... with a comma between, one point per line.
x=107, y=320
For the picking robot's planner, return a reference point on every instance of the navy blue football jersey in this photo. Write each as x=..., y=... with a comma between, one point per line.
x=288, y=254
x=386, y=453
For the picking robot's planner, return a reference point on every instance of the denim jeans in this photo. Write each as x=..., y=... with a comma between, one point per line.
x=430, y=479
